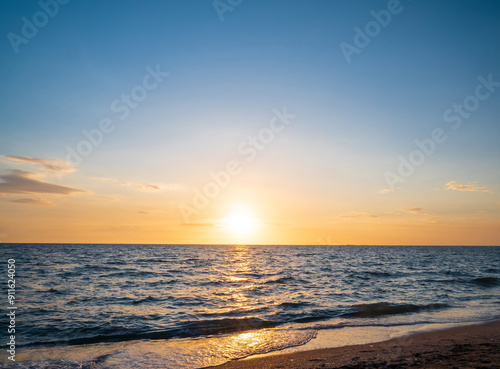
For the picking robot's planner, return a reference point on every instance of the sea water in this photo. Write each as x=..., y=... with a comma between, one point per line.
x=193, y=306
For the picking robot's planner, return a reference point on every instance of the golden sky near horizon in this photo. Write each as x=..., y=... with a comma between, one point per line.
x=250, y=210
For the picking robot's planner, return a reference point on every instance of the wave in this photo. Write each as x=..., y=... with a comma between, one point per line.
x=226, y=325
x=146, y=300
x=481, y=281
x=189, y=329
x=163, y=281
x=305, y=316
x=388, y=323
x=204, y=353
x=128, y=273
x=279, y=280
x=386, y=308
x=116, y=262
x=378, y=274
x=235, y=312
x=55, y=291
x=294, y=305
x=487, y=281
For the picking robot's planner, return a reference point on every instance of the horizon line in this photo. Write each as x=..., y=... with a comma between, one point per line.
x=235, y=244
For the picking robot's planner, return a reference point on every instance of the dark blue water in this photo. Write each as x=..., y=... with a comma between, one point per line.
x=97, y=294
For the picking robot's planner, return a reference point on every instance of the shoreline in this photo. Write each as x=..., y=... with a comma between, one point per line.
x=476, y=345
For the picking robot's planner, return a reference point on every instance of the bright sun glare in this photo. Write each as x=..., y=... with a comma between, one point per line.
x=240, y=222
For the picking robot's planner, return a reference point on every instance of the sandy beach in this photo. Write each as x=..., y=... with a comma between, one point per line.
x=475, y=346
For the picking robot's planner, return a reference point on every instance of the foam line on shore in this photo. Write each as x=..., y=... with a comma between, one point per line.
x=460, y=346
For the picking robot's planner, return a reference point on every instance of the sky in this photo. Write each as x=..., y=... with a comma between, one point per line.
x=250, y=122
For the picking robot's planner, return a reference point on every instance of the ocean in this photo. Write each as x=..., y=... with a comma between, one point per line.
x=193, y=306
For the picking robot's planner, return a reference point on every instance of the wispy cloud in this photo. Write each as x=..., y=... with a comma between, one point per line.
x=38, y=201
x=384, y=191
x=149, y=187
x=145, y=186
x=20, y=181
x=418, y=211
x=59, y=166
x=469, y=187
x=155, y=186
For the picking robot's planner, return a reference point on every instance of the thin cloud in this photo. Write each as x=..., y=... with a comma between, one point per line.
x=59, y=166
x=38, y=201
x=418, y=211
x=469, y=187
x=384, y=191
x=155, y=187
x=20, y=181
x=148, y=187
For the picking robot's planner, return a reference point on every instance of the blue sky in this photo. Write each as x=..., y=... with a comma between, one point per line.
x=225, y=78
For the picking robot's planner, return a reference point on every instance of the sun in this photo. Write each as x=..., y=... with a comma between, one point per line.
x=240, y=222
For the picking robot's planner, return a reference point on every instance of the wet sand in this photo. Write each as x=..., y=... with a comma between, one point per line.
x=474, y=346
